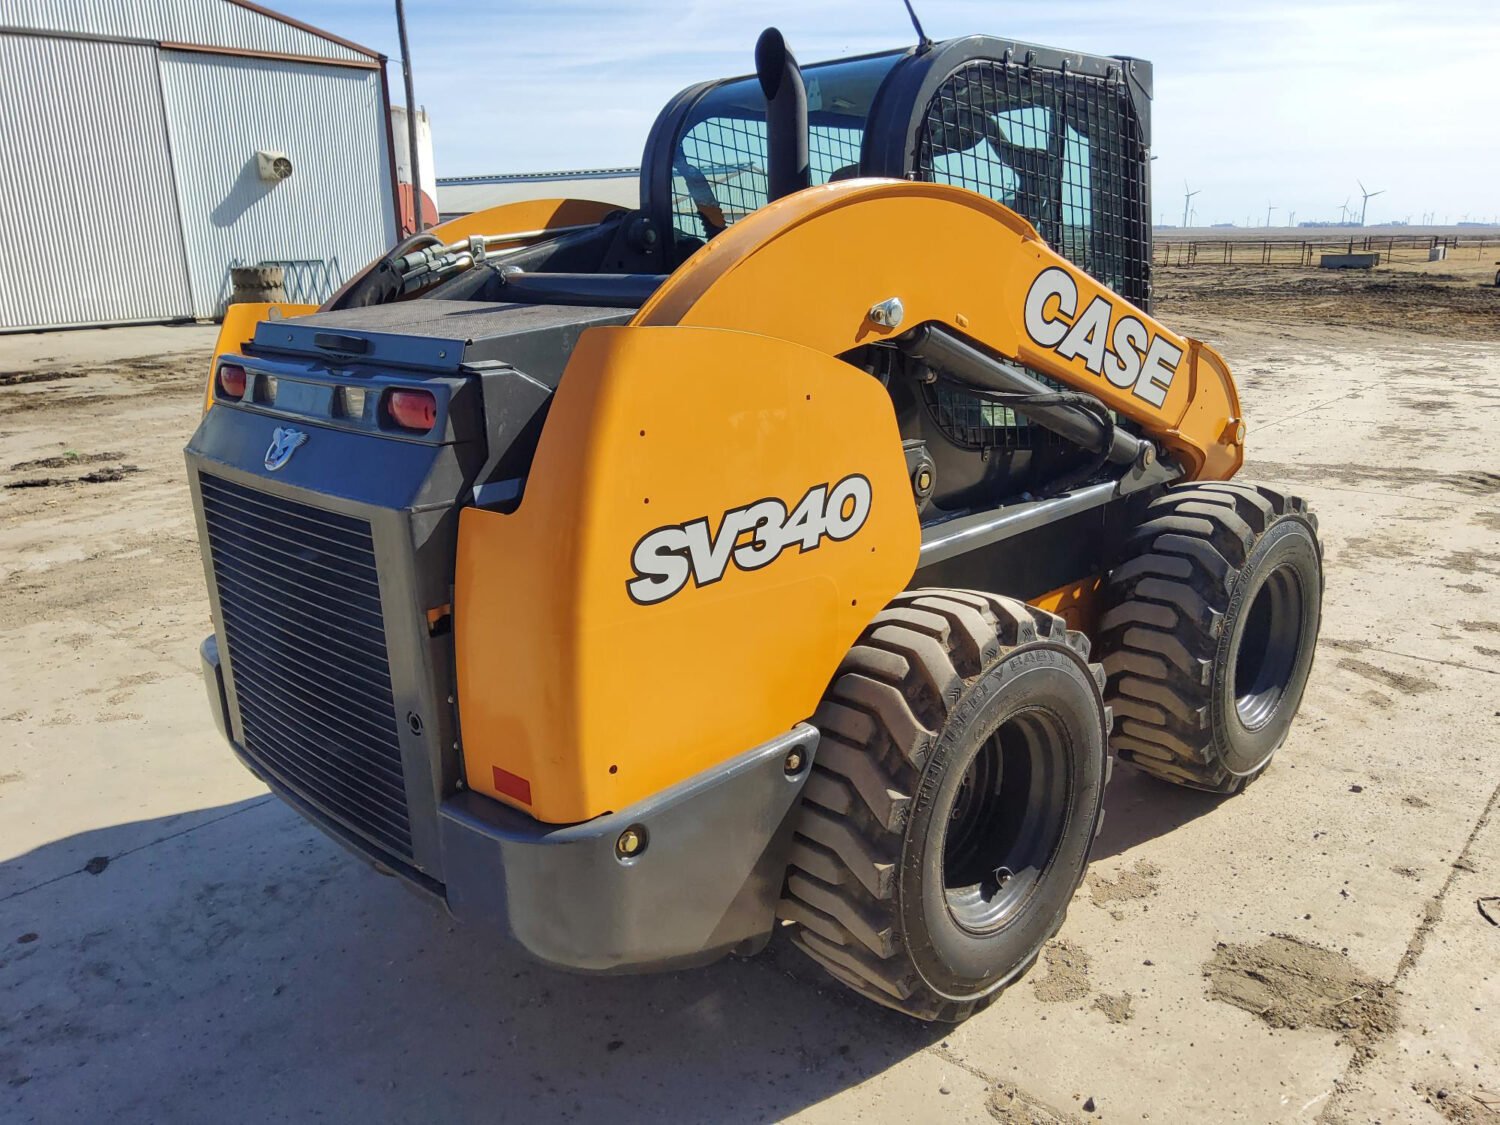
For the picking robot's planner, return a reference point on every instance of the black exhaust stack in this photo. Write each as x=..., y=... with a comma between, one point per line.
x=786, y=115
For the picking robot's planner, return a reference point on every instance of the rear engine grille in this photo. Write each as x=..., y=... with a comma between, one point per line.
x=300, y=603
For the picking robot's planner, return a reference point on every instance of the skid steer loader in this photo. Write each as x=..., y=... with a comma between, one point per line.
x=795, y=551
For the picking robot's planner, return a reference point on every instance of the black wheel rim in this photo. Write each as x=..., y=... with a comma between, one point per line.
x=1006, y=821
x=1266, y=656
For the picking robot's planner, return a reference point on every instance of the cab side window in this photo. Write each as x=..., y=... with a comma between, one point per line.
x=722, y=165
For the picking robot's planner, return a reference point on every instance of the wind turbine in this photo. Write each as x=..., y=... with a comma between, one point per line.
x=1269, y=208
x=1369, y=195
x=1344, y=211
x=1187, y=199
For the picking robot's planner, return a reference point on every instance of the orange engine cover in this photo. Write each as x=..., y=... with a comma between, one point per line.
x=710, y=520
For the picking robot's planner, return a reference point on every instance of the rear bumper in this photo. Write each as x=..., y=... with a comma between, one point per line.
x=706, y=882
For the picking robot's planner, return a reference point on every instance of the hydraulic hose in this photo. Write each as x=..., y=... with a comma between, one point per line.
x=1077, y=416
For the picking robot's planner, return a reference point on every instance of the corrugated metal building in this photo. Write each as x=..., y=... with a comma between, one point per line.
x=463, y=195
x=130, y=182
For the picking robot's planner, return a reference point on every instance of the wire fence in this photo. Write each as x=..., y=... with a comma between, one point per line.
x=1306, y=251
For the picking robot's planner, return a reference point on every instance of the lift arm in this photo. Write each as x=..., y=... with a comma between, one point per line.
x=827, y=267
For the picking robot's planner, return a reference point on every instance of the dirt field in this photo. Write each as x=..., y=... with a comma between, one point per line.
x=1457, y=301
x=175, y=945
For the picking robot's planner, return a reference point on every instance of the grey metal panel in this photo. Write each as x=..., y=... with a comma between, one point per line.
x=86, y=177
x=706, y=880
x=212, y=23
x=327, y=221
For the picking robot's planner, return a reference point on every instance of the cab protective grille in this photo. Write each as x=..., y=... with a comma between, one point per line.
x=299, y=598
x=1066, y=151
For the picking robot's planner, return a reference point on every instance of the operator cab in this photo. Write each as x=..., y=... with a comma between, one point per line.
x=1061, y=138
x=1058, y=137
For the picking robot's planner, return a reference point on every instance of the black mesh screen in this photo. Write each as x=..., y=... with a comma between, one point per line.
x=719, y=166
x=730, y=154
x=1064, y=150
x=978, y=423
x=299, y=594
x=975, y=423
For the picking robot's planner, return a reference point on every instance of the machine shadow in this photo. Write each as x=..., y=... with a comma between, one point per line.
x=1138, y=808
x=240, y=941
x=249, y=969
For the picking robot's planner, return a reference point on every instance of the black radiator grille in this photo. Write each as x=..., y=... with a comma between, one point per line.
x=300, y=602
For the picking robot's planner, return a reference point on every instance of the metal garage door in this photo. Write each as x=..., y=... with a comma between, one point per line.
x=331, y=217
x=87, y=202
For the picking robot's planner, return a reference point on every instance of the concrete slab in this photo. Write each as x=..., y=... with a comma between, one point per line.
x=1442, y=1064
x=228, y=963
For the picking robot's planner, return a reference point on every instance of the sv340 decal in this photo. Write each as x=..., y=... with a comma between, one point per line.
x=751, y=537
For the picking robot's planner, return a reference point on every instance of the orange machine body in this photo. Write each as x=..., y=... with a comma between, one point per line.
x=577, y=698
x=771, y=473
x=809, y=267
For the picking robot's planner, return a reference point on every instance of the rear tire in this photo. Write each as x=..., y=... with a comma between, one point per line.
x=955, y=795
x=1209, y=630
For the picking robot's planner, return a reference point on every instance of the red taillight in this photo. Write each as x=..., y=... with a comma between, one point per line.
x=412, y=410
x=231, y=380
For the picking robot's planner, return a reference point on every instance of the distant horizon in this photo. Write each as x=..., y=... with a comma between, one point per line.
x=1493, y=225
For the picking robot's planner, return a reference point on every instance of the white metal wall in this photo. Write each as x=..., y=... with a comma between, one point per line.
x=329, y=219
x=89, y=209
x=214, y=23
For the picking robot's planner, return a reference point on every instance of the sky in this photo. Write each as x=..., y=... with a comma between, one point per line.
x=1277, y=104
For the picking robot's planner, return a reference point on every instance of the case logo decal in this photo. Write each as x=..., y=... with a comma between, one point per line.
x=751, y=537
x=284, y=443
x=1129, y=357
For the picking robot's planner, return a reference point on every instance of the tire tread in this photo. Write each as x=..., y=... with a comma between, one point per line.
x=1163, y=618
x=891, y=695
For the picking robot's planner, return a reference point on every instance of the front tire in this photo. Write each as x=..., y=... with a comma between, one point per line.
x=955, y=796
x=1209, y=630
